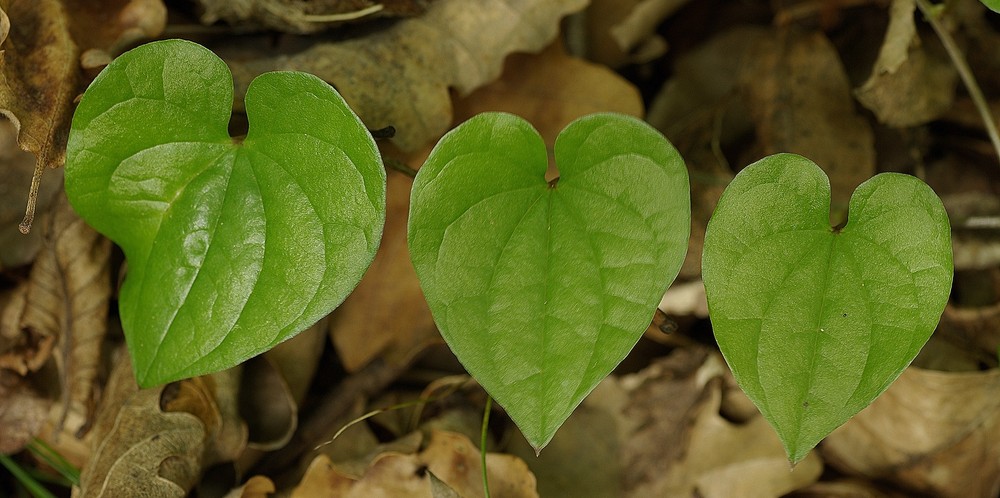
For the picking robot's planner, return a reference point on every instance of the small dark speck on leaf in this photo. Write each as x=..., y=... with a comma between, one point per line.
x=421, y=471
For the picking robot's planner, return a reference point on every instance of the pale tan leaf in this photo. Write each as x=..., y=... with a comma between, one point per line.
x=909, y=85
x=298, y=16
x=255, y=487
x=401, y=76
x=931, y=432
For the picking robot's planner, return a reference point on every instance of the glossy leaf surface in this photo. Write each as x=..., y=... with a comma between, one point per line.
x=817, y=322
x=539, y=289
x=231, y=247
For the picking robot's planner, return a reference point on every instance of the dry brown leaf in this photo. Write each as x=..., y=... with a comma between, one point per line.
x=931, y=432
x=700, y=111
x=401, y=76
x=387, y=314
x=17, y=249
x=41, y=74
x=22, y=412
x=551, y=89
x=298, y=16
x=800, y=100
x=676, y=443
x=137, y=448
x=451, y=457
x=909, y=85
x=67, y=302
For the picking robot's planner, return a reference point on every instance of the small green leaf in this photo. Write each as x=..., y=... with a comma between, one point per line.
x=539, y=289
x=993, y=5
x=817, y=322
x=231, y=248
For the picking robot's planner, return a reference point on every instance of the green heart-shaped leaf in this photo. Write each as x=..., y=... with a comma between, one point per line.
x=817, y=322
x=993, y=5
x=232, y=248
x=539, y=289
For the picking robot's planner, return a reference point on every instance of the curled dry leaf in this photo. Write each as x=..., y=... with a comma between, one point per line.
x=401, y=75
x=909, y=85
x=451, y=457
x=138, y=449
x=41, y=72
x=298, y=358
x=298, y=16
x=67, y=302
x=267, y=405
x=930, y=432
x=800, y=100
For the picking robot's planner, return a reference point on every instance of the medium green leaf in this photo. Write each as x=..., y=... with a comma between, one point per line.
x=993, y=5
x=542, y=290
x=817, y=322
x=231, y=248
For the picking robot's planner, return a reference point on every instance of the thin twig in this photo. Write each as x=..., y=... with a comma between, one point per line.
x=29, y=211
x=932, y=13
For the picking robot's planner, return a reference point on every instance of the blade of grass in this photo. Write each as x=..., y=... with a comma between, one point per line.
x=34, y=487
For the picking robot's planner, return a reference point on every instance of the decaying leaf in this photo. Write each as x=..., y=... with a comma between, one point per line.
x=386, y=315
x=909, y=85
x=676, y=442
x=138, y=449
x=298, y=357
x=22, y=412
x=266, y=404
x=41, y=74
x=299, y=16
x=400, y=76
x=636, y=33
x=67, y=302
x=931, y=432
x=800, y=100
x=449, y=456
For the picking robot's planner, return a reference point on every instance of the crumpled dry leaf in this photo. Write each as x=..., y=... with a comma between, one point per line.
x=451, y=457
x=22, y=412
x=298, y=16
x=401, y=76
x=800, y=100
x=909, y=85
x=66, y=303
x=40, y=74
x=138, y=449
x=931, y=432
x=298, y=358
x=387, y=314
x=675, y=442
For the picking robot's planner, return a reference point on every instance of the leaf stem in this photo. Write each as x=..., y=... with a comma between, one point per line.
x=933, y=13
x=33, y=486
x=482, y=444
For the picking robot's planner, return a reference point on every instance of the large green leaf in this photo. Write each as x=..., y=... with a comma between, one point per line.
x=817, y=322
x=539, y=289
x=993, y=5
x=231, y=247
